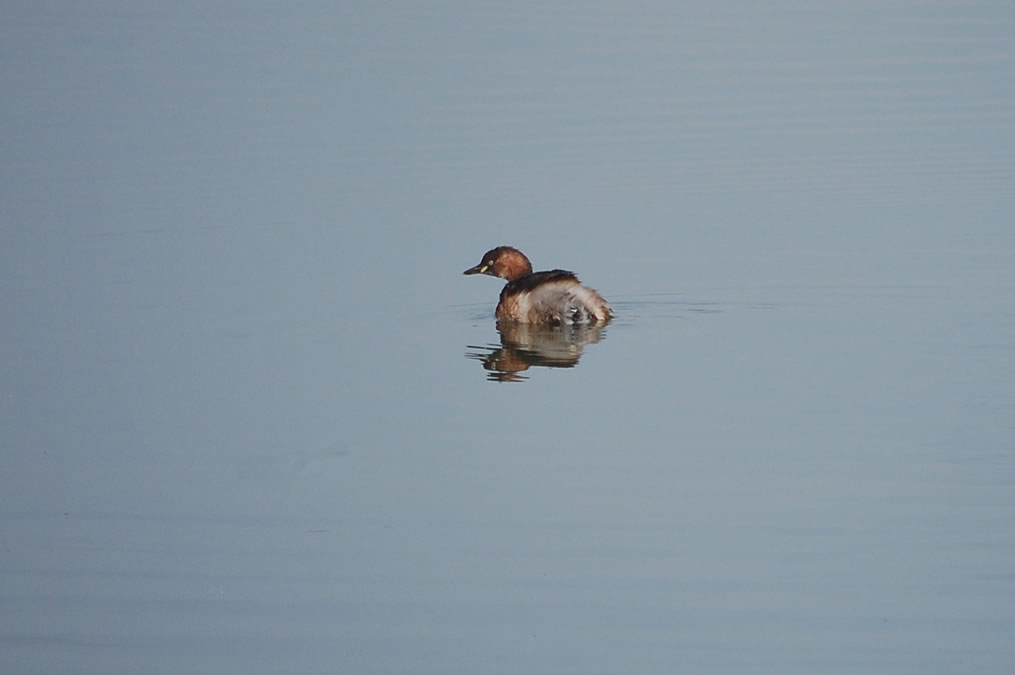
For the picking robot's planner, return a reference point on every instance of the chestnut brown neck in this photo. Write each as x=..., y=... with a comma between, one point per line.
x=512, y=264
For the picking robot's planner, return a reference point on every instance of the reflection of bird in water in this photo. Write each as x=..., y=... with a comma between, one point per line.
x=527, y=345
x=551, y=298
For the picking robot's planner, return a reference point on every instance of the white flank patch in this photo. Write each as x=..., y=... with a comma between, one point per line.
x=524, y=306
x=591, y=300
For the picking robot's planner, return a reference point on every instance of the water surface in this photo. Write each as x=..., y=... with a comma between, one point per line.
x=255, y=420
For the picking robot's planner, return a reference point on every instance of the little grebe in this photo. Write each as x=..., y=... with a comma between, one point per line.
x=551, y=298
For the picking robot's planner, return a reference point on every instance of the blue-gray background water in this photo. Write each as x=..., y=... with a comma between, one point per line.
x=245, y=416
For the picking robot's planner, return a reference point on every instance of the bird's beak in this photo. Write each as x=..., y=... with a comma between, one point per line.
x=481, y=268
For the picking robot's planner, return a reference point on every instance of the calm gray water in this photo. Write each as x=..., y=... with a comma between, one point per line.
x=254, y=419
